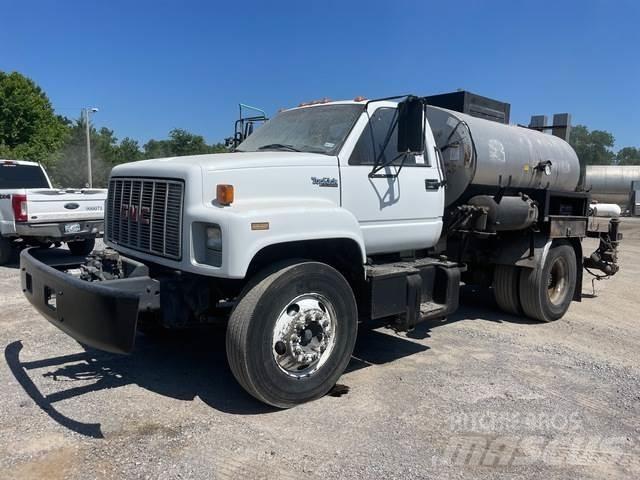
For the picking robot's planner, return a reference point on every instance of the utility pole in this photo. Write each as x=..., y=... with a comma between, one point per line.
x=87, y=111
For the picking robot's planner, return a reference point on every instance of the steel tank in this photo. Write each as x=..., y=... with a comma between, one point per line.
x=478, y=152
x=611, y=183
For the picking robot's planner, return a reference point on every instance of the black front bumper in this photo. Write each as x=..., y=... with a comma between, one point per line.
x=101, y=314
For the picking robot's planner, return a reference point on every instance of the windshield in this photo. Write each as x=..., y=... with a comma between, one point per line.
x=319, y=129
x=22, y=176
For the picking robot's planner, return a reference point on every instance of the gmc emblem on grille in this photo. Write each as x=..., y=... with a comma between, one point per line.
x=136, y=214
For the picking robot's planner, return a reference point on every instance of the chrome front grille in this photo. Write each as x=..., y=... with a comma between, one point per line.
x=145, y=214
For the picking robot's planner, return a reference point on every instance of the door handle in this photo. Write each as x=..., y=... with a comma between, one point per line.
x=433, y=184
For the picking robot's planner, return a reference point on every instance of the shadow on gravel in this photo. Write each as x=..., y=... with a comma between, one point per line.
x=183, y=366
x=13, y=263
x=53, y=255
x=193, y=363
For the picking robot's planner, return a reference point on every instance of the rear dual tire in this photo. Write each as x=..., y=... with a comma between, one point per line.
x=505, y=288
x=547, y=292
x=543, y=293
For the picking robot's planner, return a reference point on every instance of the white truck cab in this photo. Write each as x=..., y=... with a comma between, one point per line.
x=328, y=215
x=323, y=191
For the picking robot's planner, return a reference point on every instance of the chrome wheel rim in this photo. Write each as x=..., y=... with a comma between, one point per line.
x=558, y=281
x=304, y=335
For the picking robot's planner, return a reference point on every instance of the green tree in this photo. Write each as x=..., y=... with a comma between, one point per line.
x=29, y=128
x=157, y=149
x=127, y=151
x=592, y=147
x=71, y=168
x=628, y=156
x=179, y=143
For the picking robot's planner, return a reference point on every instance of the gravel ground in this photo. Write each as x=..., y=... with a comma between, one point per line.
x=482, y=395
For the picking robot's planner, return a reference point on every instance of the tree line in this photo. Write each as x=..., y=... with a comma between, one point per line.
x=31, y=130
x=595, y=147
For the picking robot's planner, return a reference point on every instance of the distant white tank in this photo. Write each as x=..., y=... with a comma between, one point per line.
x=611, y=183
x=504, y=155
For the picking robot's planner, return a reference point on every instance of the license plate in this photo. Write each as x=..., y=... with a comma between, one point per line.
x=72, y=228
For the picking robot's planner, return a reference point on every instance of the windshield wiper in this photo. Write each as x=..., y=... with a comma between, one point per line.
x=279, y=146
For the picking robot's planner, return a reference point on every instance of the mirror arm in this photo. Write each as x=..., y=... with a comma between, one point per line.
x=374, y=172
x=377, y=164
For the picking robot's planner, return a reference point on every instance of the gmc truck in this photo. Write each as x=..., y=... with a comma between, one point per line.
x=330, y=215
x=34, y=213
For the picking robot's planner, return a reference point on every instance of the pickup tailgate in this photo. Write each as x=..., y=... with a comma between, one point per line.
x=51, y=205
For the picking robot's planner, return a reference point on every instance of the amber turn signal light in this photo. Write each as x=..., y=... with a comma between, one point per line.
x=224, y=194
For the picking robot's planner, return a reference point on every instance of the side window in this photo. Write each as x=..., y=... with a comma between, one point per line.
x=372, y=139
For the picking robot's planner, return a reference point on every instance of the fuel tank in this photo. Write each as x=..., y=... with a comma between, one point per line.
x=479, y=152
x=606, y=210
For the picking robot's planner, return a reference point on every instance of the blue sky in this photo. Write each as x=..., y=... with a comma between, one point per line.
x=151, y=66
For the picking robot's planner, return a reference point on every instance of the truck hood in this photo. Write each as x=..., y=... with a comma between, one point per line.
x=257, y=176
x=172, y=166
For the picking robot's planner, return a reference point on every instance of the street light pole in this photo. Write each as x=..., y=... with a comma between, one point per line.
x=87, y=111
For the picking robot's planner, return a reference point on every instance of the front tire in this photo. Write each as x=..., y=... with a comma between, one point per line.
x=547, y=291
x=292, y=333
x=82, y=247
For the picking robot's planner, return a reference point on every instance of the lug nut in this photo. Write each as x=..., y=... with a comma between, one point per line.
x=280, y=347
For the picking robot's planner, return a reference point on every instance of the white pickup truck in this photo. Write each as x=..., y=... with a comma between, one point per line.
x=32, y=212
x=330, y=215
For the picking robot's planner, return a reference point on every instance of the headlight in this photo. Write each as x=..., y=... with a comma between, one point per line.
x=214, y=238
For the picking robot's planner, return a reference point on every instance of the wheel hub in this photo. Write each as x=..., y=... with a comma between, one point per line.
x=558, y=281
x=304, y=335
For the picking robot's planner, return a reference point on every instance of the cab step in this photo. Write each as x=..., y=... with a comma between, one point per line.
x=413, y=291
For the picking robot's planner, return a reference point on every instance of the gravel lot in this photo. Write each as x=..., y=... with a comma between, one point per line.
x=482, y=395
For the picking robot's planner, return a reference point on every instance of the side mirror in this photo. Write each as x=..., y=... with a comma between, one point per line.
x=411, y=125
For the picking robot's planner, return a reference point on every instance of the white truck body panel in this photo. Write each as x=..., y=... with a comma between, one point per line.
x=282, y=188
x=48, y=208
x=274, y=187
x=45, y=206
x=389, y=216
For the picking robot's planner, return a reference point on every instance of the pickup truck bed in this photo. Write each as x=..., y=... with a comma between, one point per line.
x=61, y=215
x=34, y=213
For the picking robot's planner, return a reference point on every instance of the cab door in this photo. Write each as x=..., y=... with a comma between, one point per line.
x=401, y=207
